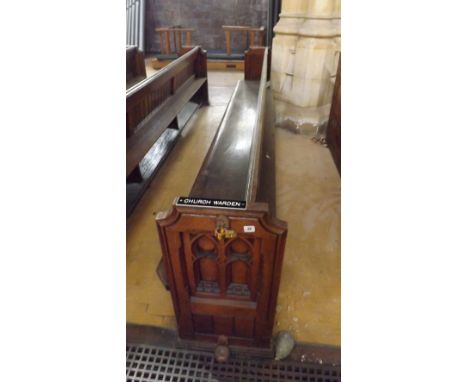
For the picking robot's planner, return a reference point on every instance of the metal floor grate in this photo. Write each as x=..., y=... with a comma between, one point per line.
x=152, y=363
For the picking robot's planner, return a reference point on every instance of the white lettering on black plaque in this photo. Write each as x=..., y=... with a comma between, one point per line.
x=211, y=203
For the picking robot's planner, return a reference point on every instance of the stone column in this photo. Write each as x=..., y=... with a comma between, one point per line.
x=306, y=48
x=292, y=17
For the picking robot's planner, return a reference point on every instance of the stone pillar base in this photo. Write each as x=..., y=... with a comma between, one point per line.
x=305, y=57
x=308, y=121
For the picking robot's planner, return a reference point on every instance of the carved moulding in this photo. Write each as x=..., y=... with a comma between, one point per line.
x=235, y=294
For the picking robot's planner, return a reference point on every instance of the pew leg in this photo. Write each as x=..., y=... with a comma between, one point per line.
x=135, y=176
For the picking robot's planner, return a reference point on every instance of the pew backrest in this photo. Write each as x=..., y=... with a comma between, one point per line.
x=147, y=95
x=154, y=103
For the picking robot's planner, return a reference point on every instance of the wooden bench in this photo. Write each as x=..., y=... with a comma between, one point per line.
x=136, y=70
x=334, y=122
x=165, y=39
x=256, y=35
x=222, y=245
x=157, y=109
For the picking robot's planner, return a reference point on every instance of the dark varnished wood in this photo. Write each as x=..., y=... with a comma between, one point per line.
x=197, y=313
x=148, y=167
x=229, y=155
x=147, y=95
x=334, y=123
x=157, y=122
x=163, y=101
x=235, y=152
x=254, y=63
x=267, y=190
x=135, y=65
x=229, y=286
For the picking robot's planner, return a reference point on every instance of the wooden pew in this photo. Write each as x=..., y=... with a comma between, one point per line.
x=256, y=35
x=334, y=123
x=165, y=39
x=222, y=245
x=136, y=70
x=157, y=108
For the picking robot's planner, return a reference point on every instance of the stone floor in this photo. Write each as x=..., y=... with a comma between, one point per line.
x=308, y=198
